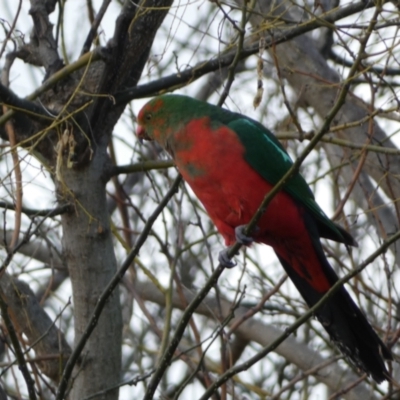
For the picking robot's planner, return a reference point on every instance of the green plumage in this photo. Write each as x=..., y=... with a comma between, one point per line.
x=264, y=153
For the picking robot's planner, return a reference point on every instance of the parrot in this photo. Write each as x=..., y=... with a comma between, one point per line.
x=231, y=162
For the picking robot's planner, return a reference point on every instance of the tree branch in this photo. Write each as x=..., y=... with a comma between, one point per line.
x=175, y=81
x=30, y=319
x=43, y=46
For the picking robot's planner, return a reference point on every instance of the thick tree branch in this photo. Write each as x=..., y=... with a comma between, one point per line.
x=43, y=45
x=135, y=29
x=11, y=100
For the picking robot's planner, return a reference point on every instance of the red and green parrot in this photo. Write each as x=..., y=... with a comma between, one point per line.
x=231, y=162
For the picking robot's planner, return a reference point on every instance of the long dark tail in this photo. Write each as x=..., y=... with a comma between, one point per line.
x=343, y=320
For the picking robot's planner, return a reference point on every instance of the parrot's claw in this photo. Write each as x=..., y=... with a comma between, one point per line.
x=224, y=259
x=241, y=237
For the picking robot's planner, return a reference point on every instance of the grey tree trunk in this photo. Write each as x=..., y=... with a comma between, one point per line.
x=88, y=247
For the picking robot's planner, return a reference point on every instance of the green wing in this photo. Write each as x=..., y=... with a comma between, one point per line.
x=268, y=157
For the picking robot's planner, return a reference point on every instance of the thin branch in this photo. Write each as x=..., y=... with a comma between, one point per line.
x=9, y=128
x=312, y=371
x=237, y=57
x=51, y=212
x=175, y=81
x=292, y=328
x=11, y=30
x=258, y=307
x=141, y=167
x=17, y=347
x=95, y=25
x=58, y=76
x=376, y=70
x=164, y=363
x=341, y=142
x=184, y=320
x=43, y=42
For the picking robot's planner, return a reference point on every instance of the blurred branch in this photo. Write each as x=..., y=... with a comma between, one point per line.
x=175, y=81
x=56, y=77
x=292, y=328
x=16, y=345
x=11, y=100
x=253, y=330
x=140, y=167
x=42, y=50
x=52, y=212
x=95, y=25
x=29, y=318
x=376, y=70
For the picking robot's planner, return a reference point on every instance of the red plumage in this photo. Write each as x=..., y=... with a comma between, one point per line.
x=231, y=163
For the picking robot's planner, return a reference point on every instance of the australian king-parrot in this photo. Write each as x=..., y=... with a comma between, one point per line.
x=231, y=162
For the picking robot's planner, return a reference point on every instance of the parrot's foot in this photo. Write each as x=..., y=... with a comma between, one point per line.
x=241, y=237
x=224, y=259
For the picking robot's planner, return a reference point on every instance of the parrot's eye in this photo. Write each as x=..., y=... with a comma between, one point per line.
x=148, y=116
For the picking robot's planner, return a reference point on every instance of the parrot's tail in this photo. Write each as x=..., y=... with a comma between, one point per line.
x=342, y=319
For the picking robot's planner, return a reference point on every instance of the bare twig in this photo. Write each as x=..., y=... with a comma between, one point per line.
x=141, y=167
x=44, y=43
x=52, y=212
x=11, y=30
x=248, y=231
x=5, y=74
x=95, y=25
x=176, y=81
x=17, y=347
x=247, y=364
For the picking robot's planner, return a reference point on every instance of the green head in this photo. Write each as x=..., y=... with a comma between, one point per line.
x=164, y=115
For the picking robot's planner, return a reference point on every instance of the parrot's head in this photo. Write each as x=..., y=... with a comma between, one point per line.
x=148, y=120
x=160, y=118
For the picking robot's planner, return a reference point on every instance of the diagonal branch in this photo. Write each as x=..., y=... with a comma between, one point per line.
x=288, y=331
x=175, y=81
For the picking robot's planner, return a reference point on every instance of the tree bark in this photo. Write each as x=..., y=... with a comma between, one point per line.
x=89, y=251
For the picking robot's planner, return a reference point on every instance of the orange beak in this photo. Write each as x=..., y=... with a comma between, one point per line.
x=141, y=133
